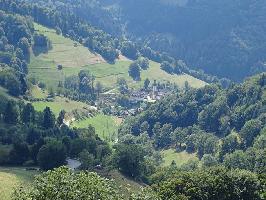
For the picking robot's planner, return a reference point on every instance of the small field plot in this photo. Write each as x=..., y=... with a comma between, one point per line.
x=59, y=104
x=105, y=126
x=155, y=73
x=11, y=177
x=179, y=157
x=38, y=93
x=108, y=74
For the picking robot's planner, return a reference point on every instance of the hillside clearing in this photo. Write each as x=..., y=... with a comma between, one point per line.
x=105, y=126
x=108, y=74
x=59, y=104
x=75, y=57
x=125, y=184
x=65, y=52
x=180, y=158
x=38, y=93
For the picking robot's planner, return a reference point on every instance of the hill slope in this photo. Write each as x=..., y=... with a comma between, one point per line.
x=208, y=120
x=223, y=37
x=73, y=59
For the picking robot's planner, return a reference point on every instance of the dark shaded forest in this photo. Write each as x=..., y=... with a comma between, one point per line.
x=224, y=38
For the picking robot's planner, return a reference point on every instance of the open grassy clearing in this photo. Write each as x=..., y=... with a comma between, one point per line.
x=179, y=157
x=108, y=74
x=155, y=73
x=44, y=66
x=65, y=52
x=59, y=104
x=11, y=177
x=105, y=126
x=38, y=93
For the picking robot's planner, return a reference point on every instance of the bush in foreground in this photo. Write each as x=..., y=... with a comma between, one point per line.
x=63, y=184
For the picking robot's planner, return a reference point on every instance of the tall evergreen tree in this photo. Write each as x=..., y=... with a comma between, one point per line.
x=48, y=118
x=28, y=114
x=60, y=118
x=11, y=113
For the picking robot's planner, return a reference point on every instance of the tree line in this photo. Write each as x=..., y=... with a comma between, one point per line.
x=15, y=43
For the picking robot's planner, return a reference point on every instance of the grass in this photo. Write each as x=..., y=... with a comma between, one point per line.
x=125, y=184
x=38, y=93
x=155, y=73
x=64, y=52
x=74, y=59
x=59, y=104
x=107, y=74
x=105, y=126
x=12, y=177
x=179, y=157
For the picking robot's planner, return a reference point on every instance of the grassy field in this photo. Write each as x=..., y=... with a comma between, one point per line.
x=11, y=177
x=106, y=126
x=107, y=74
x=64, y=52
x=59, y=104
x=38, y=93
x=180, y=158
x=44, y=66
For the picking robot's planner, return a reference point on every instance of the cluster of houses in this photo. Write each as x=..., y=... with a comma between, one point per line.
x=138, y=99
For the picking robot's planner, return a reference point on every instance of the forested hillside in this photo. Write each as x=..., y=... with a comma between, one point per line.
x=225, y=126
x=225, y=38
x=78, y=27
x=15, y=41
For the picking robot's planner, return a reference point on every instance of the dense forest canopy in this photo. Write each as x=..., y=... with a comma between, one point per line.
x=225, y=38
x=224, y=124
x=15, y=43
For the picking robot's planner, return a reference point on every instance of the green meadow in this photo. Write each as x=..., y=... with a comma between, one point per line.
x=59, y=104
x=75, y=57
x=12, y=177
x=105, y=126
x=180, y=158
